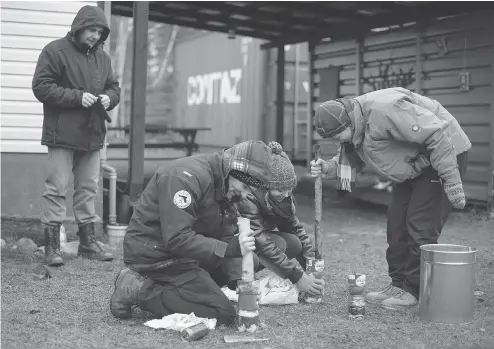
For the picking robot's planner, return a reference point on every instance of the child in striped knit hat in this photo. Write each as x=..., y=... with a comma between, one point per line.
x=274, y=208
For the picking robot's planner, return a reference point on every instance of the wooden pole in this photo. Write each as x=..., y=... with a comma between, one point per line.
x=317, y=209
x=310, y=105
x=315, y=266
x=138, y=101
x=248, y=309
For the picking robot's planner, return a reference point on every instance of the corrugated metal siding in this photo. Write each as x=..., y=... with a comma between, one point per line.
x=390, y=59
x=220, y=84
x=26, y=28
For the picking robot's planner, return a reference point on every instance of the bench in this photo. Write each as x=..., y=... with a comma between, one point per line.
x=188, y=134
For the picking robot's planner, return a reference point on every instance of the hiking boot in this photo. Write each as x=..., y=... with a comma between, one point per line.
x=53, y=256
x=127, y=286
x=400, y=301
x=88, y=247
x=378, y=297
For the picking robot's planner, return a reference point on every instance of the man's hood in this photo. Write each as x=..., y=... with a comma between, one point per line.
x=89, y=16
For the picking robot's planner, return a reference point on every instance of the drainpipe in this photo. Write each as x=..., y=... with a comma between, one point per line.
x=112, y=214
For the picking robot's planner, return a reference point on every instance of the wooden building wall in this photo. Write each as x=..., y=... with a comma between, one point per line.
x=428, y=58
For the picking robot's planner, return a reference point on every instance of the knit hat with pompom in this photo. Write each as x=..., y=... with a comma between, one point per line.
x=284, y=177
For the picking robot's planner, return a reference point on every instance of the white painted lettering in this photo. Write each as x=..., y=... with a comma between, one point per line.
x=214, y=88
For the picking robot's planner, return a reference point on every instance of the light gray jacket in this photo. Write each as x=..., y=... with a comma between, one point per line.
x=404, y=133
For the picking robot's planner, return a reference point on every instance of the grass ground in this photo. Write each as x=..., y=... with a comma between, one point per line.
x=71, y=309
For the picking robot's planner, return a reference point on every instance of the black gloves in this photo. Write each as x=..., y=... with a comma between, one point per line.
x=233, y=248
x=97, y=117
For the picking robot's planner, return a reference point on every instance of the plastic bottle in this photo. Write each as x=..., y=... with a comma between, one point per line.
x=356, y=300
x=314, y=267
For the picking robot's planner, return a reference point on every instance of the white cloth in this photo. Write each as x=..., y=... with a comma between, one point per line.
x=177, y=322
x=273, y=290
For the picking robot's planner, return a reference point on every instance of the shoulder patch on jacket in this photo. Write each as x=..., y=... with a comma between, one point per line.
x=182, y=199
x=415, y=128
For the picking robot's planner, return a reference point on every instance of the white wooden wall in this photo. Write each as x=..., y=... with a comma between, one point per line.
x=26, y=27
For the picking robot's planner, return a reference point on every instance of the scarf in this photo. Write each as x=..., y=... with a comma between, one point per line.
x=284, y=208
x=349, y=163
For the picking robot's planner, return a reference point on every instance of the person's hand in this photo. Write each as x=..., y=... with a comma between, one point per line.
x=247, y=243
x=105, y=100
x=311, y=285
x=317, y=167
x=88, y=99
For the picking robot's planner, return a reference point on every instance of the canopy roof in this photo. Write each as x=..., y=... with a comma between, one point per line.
x=292, y=22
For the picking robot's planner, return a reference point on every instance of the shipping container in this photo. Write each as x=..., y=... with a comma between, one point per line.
x=450, y=60
x=220, y=84
x=229, y=85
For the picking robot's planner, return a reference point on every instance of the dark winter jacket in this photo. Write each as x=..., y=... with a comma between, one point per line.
x=65, y=70
x=183, y=214
x=265, y=216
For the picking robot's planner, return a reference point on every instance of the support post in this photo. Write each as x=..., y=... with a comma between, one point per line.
x=418, y=58
x=280, y=95
x=310, y=105
x=138, y=101
x=358, y=66
x=106, y=7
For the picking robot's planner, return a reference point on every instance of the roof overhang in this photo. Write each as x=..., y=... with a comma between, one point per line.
x=292, y=22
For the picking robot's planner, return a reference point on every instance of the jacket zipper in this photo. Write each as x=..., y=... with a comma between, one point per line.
x=89, y=70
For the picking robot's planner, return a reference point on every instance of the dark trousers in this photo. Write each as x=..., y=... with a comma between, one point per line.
x=193, y=288
x=418, y=211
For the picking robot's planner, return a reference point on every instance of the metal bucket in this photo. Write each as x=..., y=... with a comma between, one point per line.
x=447, y=283
x=116, y=234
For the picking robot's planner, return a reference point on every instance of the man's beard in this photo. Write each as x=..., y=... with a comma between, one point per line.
x=234, y=196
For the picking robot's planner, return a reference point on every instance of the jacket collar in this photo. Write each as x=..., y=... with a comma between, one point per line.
x=219, y=175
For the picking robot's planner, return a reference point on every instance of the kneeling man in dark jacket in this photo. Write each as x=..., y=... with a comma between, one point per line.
x=181, y=245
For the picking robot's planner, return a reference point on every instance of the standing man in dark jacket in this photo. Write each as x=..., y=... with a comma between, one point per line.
x=75, y=83
x=181, y=244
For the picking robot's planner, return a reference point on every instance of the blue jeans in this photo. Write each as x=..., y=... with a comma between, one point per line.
x=85, y=167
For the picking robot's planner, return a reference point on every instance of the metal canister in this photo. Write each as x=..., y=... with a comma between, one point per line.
x=356, y=301
x=194, y=332
x=447, y=283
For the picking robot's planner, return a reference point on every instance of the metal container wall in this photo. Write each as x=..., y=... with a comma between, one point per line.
x=447, y=283
x=221, y=85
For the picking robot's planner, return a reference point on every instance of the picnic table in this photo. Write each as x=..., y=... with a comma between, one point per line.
x=188, y=134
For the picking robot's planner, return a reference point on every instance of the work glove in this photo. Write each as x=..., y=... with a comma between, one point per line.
x=455, y=194
x=97, y=117
x=240, y=245
x=233, y=248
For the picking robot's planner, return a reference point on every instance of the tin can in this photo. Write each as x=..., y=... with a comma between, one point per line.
x=194, y=332
x=356, y=300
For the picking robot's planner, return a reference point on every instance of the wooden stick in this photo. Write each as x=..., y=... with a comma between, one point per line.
x=317, y=208
x=248, y=309
x=315, y=267
x=242, y=339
